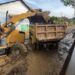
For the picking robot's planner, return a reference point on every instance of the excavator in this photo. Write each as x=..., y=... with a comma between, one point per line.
x=9, y=35
x=9, y=32
x=14, y=41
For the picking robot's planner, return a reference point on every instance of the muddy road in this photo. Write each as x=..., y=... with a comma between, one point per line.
x=43, y=62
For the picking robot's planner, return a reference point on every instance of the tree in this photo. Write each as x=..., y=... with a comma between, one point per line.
x=69, y=2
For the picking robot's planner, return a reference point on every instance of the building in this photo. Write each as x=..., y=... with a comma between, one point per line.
x=13, y=8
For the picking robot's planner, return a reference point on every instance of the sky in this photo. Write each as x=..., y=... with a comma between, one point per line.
x=56, y=7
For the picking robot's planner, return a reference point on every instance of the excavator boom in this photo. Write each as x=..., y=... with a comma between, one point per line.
x=19, y=17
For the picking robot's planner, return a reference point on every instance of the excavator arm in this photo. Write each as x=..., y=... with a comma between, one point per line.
x=9, y=32
x=19, y=17
x=14, y=20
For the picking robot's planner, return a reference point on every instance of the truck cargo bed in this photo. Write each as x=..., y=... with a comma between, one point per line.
x=47, y=32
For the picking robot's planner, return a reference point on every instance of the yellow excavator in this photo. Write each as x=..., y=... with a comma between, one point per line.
x=9, y=34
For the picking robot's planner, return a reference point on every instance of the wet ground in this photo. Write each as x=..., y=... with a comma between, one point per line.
x=38, y=62
x=43, y=62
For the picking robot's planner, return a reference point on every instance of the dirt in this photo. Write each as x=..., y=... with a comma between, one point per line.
x=38, y=62
x=43, y=62
x=16, y=64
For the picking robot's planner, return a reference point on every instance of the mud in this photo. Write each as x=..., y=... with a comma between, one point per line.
x=43, y=62
x=40, y=62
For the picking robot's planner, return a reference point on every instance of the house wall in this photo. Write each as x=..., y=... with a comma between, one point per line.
x=13, y=8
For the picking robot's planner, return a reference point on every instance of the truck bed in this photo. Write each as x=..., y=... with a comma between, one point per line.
x=47, y=32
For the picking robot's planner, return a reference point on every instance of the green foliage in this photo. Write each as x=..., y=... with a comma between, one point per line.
x=73, y=21
x=68, y=2
x=62, y=20
x=57, y=20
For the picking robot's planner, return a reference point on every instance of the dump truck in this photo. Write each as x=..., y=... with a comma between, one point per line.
x=46, y=34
